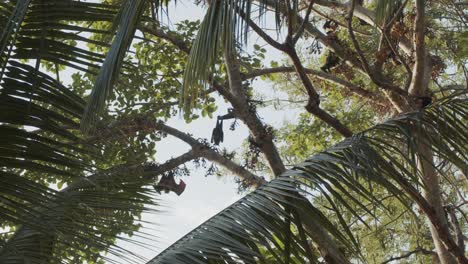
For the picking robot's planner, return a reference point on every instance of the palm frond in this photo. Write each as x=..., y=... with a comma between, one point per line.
x=130, y=15
x=12, y=18
x=216, y=32
x=383, y=156
x=36, y=116
x=223, y=27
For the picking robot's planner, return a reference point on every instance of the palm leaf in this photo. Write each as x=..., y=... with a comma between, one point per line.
x=382, y=155
x=128, y=20
x=53, y=225
x=12, y=17
x=219, y=30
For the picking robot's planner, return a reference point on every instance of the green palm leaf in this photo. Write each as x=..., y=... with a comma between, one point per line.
x=11, y=19
x=38, y=121
x=219, y=30
x=128, y=20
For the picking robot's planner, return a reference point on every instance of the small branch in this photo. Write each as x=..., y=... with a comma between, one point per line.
x=377, y=80
x=304, y=22
x=260, y=32
x=171, y=37
x=339, y=22
x=319, y=74
x=400, y=58
x=349, y=19
x=410, y=253
x=395, y=17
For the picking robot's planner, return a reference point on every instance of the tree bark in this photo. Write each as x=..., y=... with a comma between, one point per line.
x=419, y=87
x=260, y=135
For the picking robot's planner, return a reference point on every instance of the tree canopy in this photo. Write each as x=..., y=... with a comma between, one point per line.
x=369, y=167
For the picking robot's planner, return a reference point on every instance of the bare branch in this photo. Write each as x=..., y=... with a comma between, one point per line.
x=349, y=19
x=260, y=32
x=339, y=22
x=319, y=74
x=169, y=36
x=410, y=253
x=306, y=20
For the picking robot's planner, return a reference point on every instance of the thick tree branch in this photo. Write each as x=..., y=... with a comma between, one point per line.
x=261, y=136
x=248, y=177
x=205, y=151
x=146, y=123
x=421, y=70
x=314, y=100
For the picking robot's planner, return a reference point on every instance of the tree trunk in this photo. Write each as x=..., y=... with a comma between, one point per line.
x=432, y=194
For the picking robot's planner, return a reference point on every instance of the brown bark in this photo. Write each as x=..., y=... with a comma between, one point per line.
x=260, y=135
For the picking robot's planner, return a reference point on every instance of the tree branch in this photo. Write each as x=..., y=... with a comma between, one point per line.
x=339, y=22
x=410, y=253
x=306, y=20
x=369, y=17
x=349, y=20
x=319, y=74
x=365, y=65
x=421, y=70
x=242, y=110
x=169, y=36
x=146, y=123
